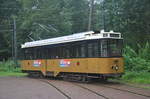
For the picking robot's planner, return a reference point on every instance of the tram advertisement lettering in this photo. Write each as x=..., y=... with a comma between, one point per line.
x=65, y=63
x=37, y=63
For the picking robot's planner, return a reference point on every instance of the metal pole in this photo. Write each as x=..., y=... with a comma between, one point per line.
x=12, y=44
x=90, y=15
x=15, y=42
x=104, y=24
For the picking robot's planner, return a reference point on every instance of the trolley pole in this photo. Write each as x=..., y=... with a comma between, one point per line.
x=90, y=15
x=14, y=43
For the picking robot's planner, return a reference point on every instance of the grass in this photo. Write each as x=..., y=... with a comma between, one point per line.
x=6, y=74
x=7, y=68
x=137, y=77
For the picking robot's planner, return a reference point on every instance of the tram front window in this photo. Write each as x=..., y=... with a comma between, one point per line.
x=115, y=47
x=111, y=47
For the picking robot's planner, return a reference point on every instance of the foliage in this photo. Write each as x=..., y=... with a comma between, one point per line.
x=41, y=19
x=137, y=60
x=8, y=66
x=137, y=77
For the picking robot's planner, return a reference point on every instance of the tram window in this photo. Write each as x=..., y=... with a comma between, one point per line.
x=35, y=53
x=71, y=51
x=56, y=52
x=22, y=54
x=46, y=52
x=67, y=53
x=95, y=49
x=53, y=53
x=77, y=51
x=59, y=52
x=83, y=51
x=115, y=47
x=63, y=52
x=104, y=48
x=49, y=53
x=38, y=53
x=43, y=54
x=29, y=54
x=25, y=54
x=90, y=50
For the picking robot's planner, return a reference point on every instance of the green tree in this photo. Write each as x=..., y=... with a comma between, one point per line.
x=8, y=8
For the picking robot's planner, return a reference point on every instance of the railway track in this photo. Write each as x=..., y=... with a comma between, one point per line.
x=123, y=90
x=67, y=96
x=90, y=89
x=118, y=89
x=126, y=91
x=46, y=81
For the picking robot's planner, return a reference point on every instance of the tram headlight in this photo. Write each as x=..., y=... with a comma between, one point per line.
x=115, y=67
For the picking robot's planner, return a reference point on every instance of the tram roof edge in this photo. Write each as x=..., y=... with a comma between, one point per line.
x=71, y=38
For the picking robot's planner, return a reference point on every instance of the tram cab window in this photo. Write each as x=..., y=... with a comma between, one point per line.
x=111, y=48
x=115, y=47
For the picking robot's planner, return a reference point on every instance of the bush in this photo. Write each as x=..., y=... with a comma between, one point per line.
x=137, y=77
x=8, y=66
x=137, y=60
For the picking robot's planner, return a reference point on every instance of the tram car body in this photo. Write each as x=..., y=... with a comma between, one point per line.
x=87, y=54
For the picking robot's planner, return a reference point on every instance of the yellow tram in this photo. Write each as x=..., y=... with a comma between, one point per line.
x=80, y=55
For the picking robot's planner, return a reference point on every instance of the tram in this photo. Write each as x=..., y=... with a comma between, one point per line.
x=92, y=54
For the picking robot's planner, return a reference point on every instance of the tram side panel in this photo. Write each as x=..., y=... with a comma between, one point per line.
x=34, y=66
x=86, y=65
x=67, y=65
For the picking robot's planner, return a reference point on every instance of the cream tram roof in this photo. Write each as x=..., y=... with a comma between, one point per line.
x=74, y=37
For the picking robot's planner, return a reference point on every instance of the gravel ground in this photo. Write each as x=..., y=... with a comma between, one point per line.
x=27, y=88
